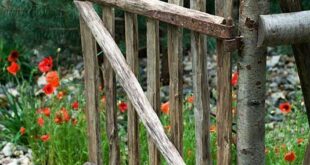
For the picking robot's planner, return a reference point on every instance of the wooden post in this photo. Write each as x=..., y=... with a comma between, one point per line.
x=175, y=56
x=251, y=89
x=91, y=86
x=224, y=97
x=110, y=92
x=131, y=35
x=175, y=15
x=302, y=59
x=153, y=77
x=285, y=28
x=201, y=91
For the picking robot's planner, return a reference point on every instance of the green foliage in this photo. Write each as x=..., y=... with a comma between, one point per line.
x=31, y=23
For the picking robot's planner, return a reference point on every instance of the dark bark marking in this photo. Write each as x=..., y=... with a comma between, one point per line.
x=258, y=83
x=248, y=67
x=251, y=24
x=254, y=102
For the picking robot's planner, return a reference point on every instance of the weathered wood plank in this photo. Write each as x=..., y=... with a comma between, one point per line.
x=201, y=91
x=176, y=15
x=153, y=79
x=110, y=92
x=131, y=37
x=251, y=86
x=224, y=97
x=284, y=28
x=91, y=85
x=130, y=83
x=175, y=57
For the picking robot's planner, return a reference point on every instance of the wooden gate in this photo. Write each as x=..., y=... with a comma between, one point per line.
x=94, y=29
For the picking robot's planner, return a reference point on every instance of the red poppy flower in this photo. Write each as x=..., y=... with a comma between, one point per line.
x=46, y=64
x=290, y=156
x=60, y=95
x=165, y=108
x=46, y=112
x=52, y=78
x=40, y=121
x=65, y=114
x=58, y=118
x=190, y=99
x=122, y=107
x=22, y=130
x=75, y=105
x=45, y=138
x=13, y=56
x=234, y=79
x=48, y=89
x=13, y=68
x=285, y=107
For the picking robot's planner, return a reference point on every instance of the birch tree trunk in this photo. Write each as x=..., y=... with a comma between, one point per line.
x=251, y=92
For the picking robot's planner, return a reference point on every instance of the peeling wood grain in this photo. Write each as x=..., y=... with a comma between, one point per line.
x=108, y=19
x=201, y=91
x=153, y=79
x=131, y=36
x=176, y=15
x=175, y=57
x=224, y=98
x=91, y=85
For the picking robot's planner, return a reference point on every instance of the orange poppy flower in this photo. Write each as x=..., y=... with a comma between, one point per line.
x=165, y=108
x=234, y=79
x=45, y=138
x=48, y=89
x=58, y=118
x=46, y=112
x=285, y=108
x=65, y=114
x=122, y=107
x=60, y=95
x=213, y=128
x=46, y=64
x=75, y=105
x=290, y=156
x=22, y=130
x=190, y=99
x=40, y=121
x=300, y=140
x=13, y=68
x=13, y=56
x=52, y=78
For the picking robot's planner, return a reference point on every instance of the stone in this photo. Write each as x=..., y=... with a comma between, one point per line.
x=8, y=149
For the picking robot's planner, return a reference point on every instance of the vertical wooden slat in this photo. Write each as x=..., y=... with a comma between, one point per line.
x=224, y=99
x=153, y=77
x=110, y=92
x=176, y=82
x=91, y=85
x=201, y=92
x=131, y=32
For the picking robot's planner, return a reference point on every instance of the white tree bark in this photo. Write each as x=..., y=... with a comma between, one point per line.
x=251, y=92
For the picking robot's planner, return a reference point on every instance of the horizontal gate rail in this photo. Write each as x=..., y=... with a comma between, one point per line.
x=173, y=14
x=130, y=83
